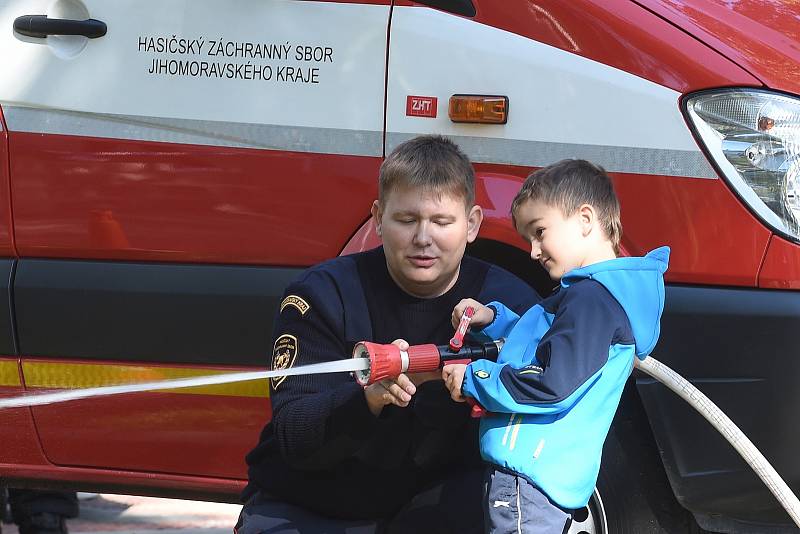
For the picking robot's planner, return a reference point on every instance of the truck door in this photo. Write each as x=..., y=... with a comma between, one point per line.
x=171, y=170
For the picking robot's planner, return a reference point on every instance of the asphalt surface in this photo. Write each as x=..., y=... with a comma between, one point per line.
x=127, y=514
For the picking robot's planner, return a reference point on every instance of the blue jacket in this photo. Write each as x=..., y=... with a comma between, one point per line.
x=557, y=382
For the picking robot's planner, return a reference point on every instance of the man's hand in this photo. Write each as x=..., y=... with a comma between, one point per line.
x=397, y=391
x=483, y=314
x=453, y=376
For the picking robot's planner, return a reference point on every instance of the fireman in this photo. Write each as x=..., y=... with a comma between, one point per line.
x=398, y=455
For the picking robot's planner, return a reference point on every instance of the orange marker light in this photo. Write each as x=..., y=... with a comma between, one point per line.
x=765, y=124
x=480, y=109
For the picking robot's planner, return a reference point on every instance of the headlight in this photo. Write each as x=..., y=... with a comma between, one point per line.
x=754, y=138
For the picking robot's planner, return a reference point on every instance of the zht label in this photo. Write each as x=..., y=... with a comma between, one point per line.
x=421, y=106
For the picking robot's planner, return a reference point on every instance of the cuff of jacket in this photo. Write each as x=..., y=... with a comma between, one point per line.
x=495, y=329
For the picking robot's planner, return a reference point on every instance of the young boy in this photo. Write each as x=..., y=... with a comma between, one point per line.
x=556, y=384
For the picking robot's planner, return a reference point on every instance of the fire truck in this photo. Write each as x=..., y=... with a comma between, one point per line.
x=167, y=167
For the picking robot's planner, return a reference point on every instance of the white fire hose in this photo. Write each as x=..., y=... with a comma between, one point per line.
x=728, y=429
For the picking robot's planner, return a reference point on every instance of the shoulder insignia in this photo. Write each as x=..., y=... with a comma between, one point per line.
x=481, y=374
x=283, y=355
x=296, y=302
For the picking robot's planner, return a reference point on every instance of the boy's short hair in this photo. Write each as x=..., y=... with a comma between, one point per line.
x=569, y=184
x=431, y=162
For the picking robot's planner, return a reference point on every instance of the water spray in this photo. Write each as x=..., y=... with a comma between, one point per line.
x=41, y=399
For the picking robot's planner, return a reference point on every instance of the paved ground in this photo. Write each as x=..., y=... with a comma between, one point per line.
x=125, y=514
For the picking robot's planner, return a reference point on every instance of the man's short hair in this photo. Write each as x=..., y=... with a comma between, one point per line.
x=569, y=184
x=431, y=162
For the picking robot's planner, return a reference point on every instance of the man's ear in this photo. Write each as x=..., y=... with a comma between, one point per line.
x=377, y=213
x=587, y=217
x=474, y=220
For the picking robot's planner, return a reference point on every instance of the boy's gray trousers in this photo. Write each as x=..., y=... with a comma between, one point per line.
x=514, y=505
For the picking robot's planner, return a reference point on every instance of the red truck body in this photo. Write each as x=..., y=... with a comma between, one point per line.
x=141, y=245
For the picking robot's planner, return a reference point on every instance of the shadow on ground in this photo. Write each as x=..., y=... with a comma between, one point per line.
x=127, y=514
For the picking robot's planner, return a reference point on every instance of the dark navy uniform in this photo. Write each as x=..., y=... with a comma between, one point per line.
x=324, y=455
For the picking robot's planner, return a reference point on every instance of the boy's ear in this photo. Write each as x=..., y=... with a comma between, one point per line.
x=377, y=213
x=474, y=220
x=587, y=218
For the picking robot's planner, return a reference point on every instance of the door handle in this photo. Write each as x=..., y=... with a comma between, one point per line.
x=42, y=26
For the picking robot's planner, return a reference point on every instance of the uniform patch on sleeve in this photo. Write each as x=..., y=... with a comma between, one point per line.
x=283, y=355
x=481, y=374
x=296, y=302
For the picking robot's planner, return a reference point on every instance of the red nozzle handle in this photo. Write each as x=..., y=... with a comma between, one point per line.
x=457, y=340
x=477, y=410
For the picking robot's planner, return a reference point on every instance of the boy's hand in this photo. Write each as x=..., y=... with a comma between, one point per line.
x=397, y=391
x=453, y=376
x=483, y=314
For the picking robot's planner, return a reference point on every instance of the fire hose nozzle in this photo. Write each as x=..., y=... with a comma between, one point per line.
x=388, y=361
x=385, y=361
